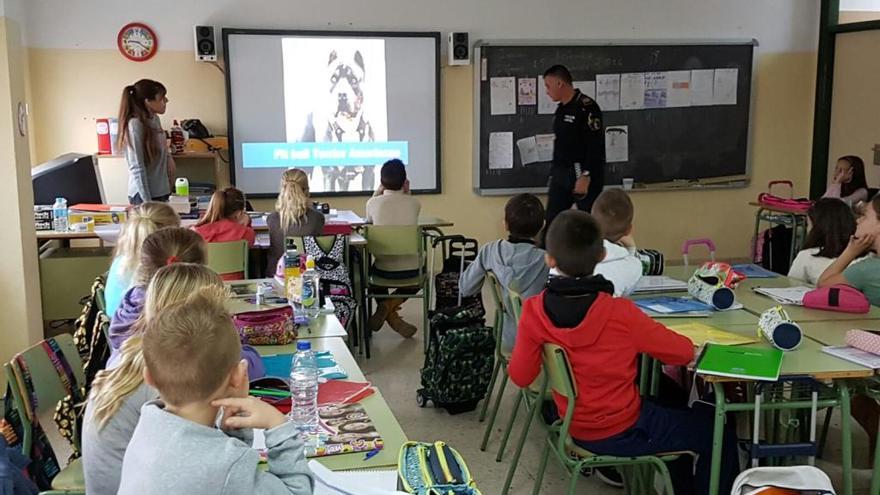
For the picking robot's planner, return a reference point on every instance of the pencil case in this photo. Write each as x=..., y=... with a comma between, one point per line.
x=712, y=283
x=866, y=340
x=652, y=261
x=776, y=326
x=433, y=469
x=268, y=327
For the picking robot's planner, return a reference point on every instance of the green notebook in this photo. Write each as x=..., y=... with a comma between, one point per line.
x=753, y=363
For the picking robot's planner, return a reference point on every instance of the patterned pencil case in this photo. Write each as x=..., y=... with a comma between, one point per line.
x=433, y=469
x=866, y=340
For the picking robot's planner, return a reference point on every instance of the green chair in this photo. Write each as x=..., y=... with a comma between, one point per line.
x=395, y=240
x=559, y=378
x=501, y=358
x=227, y=258
x=48, y=389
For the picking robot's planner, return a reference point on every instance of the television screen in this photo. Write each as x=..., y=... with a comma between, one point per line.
x=73, y=176
x=335, y=104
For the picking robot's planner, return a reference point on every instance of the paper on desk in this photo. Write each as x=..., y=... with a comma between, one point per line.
x=329, y=482
x=724, y=86
x=502, y=95
x=702, y=82
x=632, y=91
x=528, y=150
x=659, y=283
x=785, y=295
x=500, y=150
x=544, y=145
x=700, y=334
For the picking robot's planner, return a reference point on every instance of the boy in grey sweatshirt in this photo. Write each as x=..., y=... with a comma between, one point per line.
x=516, y=262
x=197, y=439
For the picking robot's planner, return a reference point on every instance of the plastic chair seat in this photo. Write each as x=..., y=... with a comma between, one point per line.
x=71, y=478
x=397, y=283
x=583, y=453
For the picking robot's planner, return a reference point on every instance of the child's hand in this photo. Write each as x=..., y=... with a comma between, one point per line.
x=249, y=412
x=858, y=245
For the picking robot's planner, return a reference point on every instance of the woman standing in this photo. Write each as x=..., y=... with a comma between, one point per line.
x=150, y=166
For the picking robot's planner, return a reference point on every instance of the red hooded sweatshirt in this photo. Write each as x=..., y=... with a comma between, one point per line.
x=602, y=350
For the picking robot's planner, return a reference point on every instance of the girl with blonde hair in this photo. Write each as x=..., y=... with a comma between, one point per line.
x=143, y=220
x=293, y=215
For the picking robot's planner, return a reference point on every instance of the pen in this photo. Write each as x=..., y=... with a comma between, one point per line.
x=371, y=454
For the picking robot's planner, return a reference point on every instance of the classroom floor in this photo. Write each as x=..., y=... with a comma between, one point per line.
x=394, y=368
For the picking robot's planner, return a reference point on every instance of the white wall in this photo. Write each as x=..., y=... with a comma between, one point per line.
x=779, y=25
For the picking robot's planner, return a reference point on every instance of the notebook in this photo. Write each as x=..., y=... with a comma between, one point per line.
x=279, y=365
x=700, y=334
x=659, y=283
x=854, y=355
x=668, y=304
x=380, y=482
x=343, y=429
x=785, y=295
x=754, y=363
x=751, y=270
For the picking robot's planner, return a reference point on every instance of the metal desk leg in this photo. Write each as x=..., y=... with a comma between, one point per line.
x=846, y=431
x=717, y=439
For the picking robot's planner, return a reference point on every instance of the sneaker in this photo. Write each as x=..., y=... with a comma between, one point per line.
x=400, y=326
x=609, y=475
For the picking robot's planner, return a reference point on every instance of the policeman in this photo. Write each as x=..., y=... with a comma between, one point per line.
x=577, y=171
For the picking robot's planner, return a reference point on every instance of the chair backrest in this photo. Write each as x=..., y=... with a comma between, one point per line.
x=516, y=303
x=325, y=241
x=500, y=309
x=393, y=240
x=41, y=377
x=228, y=257
x=560, y=379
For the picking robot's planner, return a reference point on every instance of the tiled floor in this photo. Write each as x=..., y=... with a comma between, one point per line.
x=395, y=366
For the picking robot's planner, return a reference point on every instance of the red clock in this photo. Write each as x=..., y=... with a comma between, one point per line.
x=137, y=42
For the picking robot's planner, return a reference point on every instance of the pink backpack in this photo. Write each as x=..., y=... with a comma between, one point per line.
x=842, y=298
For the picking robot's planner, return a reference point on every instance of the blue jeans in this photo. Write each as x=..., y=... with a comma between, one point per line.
x=661, y=429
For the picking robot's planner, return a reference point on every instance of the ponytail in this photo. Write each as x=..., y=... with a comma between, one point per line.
x=224, y=204
x=132, y=106
x=166, y=247
x=293, y=198
x=143, y=220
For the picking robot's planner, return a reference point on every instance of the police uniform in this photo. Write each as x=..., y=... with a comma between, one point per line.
x=579, y=149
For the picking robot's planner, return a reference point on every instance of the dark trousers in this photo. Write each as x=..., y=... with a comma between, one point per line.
x=136, y=199
x=560, y=193
x=660, y=429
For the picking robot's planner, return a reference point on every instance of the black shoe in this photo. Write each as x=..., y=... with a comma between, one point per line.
x=609, y=475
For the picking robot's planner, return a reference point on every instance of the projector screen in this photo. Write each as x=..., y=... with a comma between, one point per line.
x=334, y=104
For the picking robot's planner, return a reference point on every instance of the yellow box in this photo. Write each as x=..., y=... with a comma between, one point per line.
x=101, y=217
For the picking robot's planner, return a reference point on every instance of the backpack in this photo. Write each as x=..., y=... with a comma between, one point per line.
x=773, y=248
x=652, y=261
x=459, y=360
x=334, y=275
x=456, y=251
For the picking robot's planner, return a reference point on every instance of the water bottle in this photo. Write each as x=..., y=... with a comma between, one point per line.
x=311, y=284
x=304, y=389
x=59, y=215
x=181, y=187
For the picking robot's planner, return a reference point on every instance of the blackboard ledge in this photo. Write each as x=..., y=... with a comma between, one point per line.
x=684, y=185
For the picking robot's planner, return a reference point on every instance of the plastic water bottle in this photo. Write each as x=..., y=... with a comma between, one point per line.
x=304, y=389
x=181, y=187
x=59, y=215
x=292, y=272
x=311, y=284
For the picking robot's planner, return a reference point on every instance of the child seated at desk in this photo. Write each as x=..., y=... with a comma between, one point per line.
x=197, y=438
x=603, y=337
x=864, y=276
x=516, y=261
x=226, y=219
x=614, y=211
x=293, y=215
x=848, y=182
x=832, y=223
x=143, y=220
x=392, y=204
x=117, y=394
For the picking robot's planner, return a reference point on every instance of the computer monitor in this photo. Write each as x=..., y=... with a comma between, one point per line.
x=73, y=176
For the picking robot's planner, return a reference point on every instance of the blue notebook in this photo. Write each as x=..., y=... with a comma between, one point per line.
x=279, y=365
x=752, y=270
x=670, y=305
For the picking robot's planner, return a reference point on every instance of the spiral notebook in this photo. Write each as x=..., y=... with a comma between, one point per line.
x=380, y=482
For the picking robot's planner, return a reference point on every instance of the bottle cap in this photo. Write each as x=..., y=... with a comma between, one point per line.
x=303, y=345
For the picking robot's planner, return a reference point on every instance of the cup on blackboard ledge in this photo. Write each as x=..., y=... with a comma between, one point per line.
x=627, y=184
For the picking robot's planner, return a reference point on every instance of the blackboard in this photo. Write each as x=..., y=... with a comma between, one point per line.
x=688, y=145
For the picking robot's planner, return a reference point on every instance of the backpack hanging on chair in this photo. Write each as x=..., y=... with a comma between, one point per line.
x=334, y=275
x=789, y=480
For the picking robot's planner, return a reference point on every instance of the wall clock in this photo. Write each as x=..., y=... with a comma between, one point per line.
x=137, y=42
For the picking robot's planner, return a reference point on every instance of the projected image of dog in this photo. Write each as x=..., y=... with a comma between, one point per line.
x=347, y=120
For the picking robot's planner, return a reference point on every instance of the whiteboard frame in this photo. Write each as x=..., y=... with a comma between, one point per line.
x=730, y=182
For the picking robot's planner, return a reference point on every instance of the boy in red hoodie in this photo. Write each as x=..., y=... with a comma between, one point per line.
x=603, y=337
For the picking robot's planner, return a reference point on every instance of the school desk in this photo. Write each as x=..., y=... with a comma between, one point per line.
x=326, y=325
x=374, y=405
x=758, y=303
x=834, y=332
x=807, y=360
x=780, y=215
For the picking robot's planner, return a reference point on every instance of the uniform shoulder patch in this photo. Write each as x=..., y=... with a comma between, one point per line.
x=586, y=100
